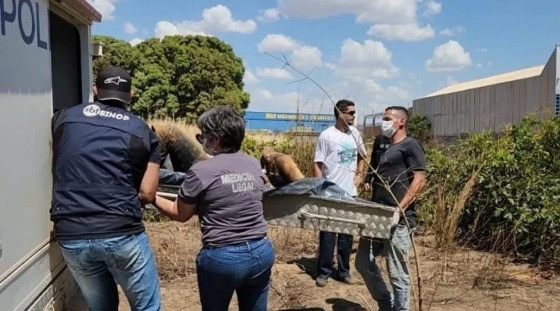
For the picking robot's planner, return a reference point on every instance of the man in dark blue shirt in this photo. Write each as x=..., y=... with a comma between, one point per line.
x=105, y=168
x=396, y=176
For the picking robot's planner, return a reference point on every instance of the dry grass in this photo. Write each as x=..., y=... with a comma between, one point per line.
x=178, y=140
x=456, y=279
x=301, y=150
x=459, y=280
x=267, y=137
x=447, y=219
x=189, y=129
x=175, y=246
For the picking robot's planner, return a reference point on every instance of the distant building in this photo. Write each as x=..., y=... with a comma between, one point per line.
x=489, y=104
x=286, y=122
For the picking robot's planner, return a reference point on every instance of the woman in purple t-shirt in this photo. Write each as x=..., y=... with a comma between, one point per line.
x=226, y=193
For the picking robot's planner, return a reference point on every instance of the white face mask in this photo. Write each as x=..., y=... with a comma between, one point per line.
x=388, y=129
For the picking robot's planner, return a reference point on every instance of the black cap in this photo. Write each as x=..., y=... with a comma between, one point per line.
x=114, y=83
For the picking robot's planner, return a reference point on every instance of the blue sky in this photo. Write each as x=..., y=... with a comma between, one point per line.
x=376, y=52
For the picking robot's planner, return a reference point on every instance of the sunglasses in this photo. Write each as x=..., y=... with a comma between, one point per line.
x=349, y=112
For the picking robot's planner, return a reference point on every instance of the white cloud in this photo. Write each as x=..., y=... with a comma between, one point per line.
x=451, y=81
x=409, y=81
x=366, y=11
x=432, y=7
x=452, y=32
x=489, y=64
x=165, y=28
x=330, y=66
x=478, y=65
x=370, y=59
x=217, y=19
x=275, y=73
x=374, y=92
x=269, y=15
x=306, y=58
x=265, y=100
x=129, y=28
x=370, y=95
x=136, y=41
x=390, y=19
x=266, y=94
x=105, y=7
x=405, y=32
x=482, y=50
x=303, y=57
x=250, y=78
x=413, y=79
x=277, y=43
x=450, y=56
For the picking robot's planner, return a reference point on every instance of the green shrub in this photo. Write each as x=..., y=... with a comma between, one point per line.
x=420, y=127
x=514, y=206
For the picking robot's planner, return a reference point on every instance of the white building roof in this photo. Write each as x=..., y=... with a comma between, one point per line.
x=505, y=77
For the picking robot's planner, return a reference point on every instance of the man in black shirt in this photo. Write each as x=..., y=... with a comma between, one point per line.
x=396, y=177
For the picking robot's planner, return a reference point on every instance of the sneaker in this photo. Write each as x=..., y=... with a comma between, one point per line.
x=321, y=281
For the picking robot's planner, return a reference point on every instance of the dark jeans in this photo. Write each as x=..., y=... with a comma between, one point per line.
x=327, y=241
x=244, y=268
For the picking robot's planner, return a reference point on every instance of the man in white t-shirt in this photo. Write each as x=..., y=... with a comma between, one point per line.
x=339, y=157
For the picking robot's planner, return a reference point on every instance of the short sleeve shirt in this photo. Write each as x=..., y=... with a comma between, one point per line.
x=394, y=164
x=227, y=190
x=338, y=151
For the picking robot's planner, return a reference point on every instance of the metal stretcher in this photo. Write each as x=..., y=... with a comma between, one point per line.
x=339, y=215
x=358, y=217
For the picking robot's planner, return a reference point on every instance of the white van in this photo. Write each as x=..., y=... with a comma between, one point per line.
x=45, y=65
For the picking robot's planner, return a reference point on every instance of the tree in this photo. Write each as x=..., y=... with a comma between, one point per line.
x=179, y=76
x=117, y=53
x=420, y=126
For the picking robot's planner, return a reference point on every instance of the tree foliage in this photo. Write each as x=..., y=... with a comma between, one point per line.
x=117, y=53
x=179, y=76
x=419, y=126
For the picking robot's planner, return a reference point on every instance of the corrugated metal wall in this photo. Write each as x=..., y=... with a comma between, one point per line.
x=491, y=107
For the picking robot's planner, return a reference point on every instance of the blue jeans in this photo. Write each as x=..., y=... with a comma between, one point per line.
x=396, y=251
x=98, y=265
x=327, y=241
x=244, y=268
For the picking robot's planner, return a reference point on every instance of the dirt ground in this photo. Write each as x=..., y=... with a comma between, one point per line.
x=460, y=280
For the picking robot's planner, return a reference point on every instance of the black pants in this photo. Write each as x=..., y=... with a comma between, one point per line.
x=327, y=241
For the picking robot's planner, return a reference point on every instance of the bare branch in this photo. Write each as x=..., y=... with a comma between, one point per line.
x=385, y=183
